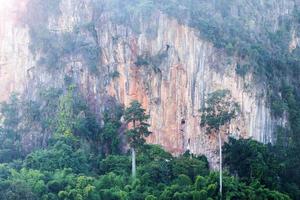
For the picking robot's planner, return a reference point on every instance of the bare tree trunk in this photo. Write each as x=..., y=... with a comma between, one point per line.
x=220, y=155
x=133, y=162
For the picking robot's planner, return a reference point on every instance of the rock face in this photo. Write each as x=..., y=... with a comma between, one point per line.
x=15, y=57
x=167, y=66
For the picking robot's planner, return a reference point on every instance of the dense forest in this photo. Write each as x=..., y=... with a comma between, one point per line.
x=84, y=160
x=88, y=158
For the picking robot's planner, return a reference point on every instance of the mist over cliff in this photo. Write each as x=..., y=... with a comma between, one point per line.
x=167, y=56
x=88, y=86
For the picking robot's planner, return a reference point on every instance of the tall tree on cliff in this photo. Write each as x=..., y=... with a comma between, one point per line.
x=219, y=110
x=10, y=132
x=136, y=120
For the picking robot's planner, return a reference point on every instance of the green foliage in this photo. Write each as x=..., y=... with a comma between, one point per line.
x=91, y=54
x=129, y=13
x=116, y=164
x=58, y=173
x=41, y=38
x=66, y=114
x=150, y=197
x=287, y=145
x=242, y=70
x=153, y=153
x=53, y=47
x=63, y=153
x=154, y=61
x=265, y=50
x=50, y=100
x=136, y=117
x=192, y=167
x=261, y=49
x=10, y=131
x=278, y=106
x=183, y=180
x=253, y=161
x=293, y=108
x=233, y=189
x=110, y=137
x=10, y=112
x=115, y=74
x=220, y=109
x=141, y=61
x=67, y=167
x=74, y=117
x=81, y=189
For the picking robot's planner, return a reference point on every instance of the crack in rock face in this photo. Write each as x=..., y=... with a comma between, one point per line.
x=167, y=66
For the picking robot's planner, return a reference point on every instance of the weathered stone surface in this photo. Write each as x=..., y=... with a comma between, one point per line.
x=182, y=70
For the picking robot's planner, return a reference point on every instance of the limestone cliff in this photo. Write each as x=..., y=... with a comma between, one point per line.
x=166, y=65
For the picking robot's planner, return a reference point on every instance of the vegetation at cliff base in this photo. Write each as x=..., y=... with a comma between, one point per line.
x=84, y=160
x=54, y=146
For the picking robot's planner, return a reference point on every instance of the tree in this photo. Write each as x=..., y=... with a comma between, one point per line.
x=136, y=118
x=190, y=166
x=110, y=137
x=115, y=163
x=75, y=118
x=66, y=113
x=10, y=131
x=220, y=109
x=65, y=152
x=252, y=160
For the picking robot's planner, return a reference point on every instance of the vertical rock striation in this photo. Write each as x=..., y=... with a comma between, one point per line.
x=167, y=66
